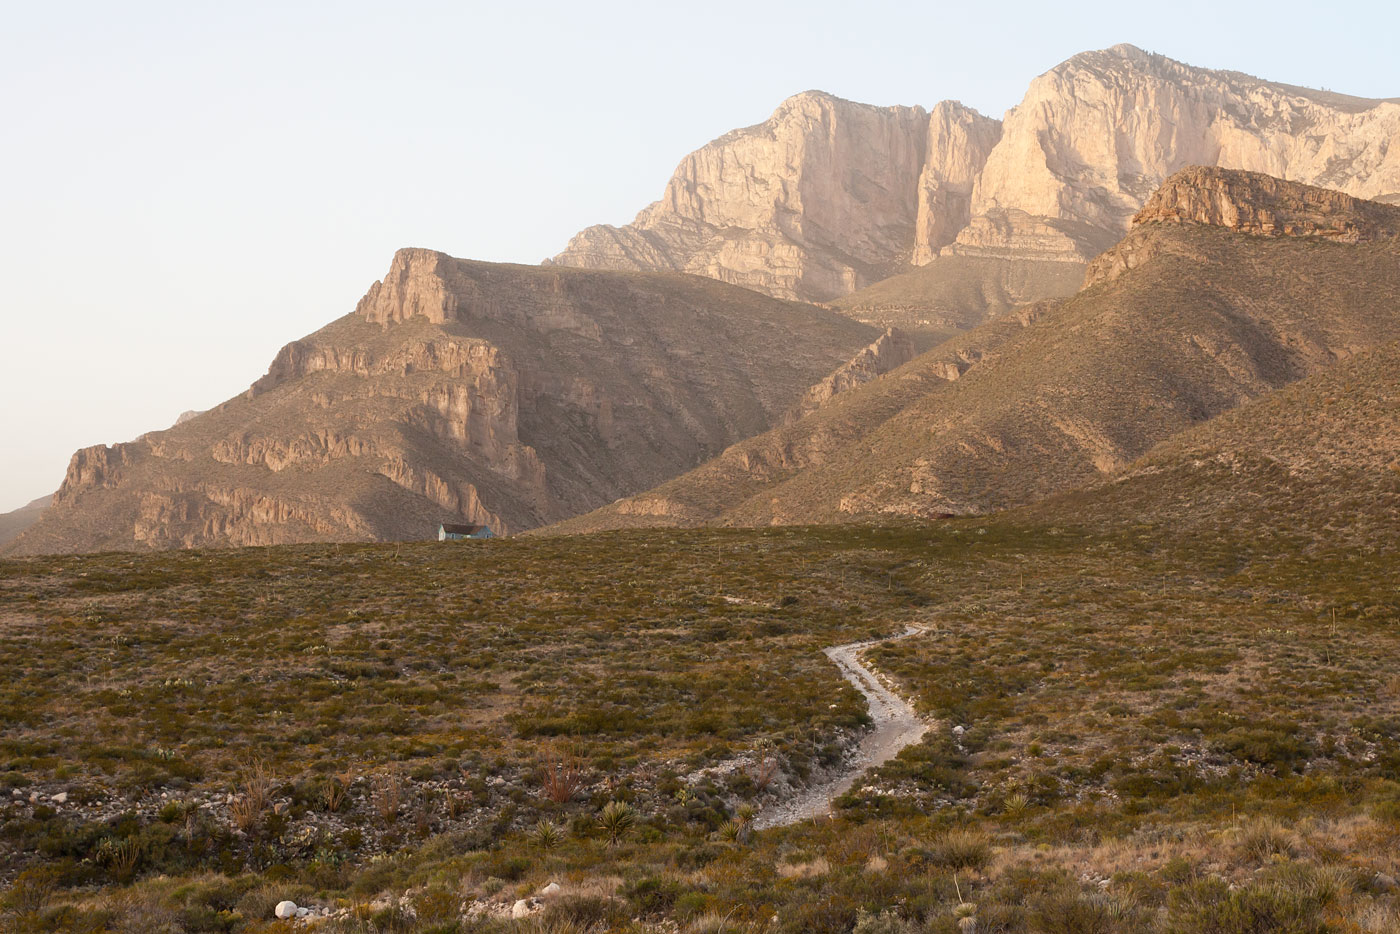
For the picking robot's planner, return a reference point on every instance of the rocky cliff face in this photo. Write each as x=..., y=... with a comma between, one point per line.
x=1249, y=203
x=823, y=198
x=509, y=396
x=1097, y=135
x=828, y=196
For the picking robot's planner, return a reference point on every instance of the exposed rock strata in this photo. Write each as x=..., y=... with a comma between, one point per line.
x=1095, y=136
x=1254, y=203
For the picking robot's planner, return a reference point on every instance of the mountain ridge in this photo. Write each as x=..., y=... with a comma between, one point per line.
x=1030, y=404
x=503, y=395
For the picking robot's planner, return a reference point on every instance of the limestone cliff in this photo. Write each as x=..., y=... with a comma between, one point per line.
x=821, y=199
x=828, y=196
x=1095, y=136
x=509, y=396
x=958, y=144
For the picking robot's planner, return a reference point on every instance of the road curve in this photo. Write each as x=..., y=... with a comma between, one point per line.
x=896, y=725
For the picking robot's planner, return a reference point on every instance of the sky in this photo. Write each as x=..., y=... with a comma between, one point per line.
x=185, y=187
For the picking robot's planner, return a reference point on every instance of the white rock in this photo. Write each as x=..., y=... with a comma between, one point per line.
x=521, y=908
x=61, y=798
x=552, y=889
x=303, y=912
x=285, y=910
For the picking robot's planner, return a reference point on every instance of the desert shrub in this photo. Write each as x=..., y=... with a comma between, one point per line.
x=503, y=865
x=1265, y=838
x=1212, y=907
x=959, y=850
x=885, y=922
x=617, y=820
x=1276, y=745
x=586, y=911
x=1069, y=911
x=653, y=895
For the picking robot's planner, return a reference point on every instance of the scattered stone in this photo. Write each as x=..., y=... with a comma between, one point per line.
x=285, y=910
x=521, y=908
x=61, y=798
x=552, y=889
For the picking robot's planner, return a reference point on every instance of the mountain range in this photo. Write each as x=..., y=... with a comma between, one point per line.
x=844, y=312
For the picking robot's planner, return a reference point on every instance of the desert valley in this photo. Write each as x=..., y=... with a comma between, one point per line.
x=913, y=521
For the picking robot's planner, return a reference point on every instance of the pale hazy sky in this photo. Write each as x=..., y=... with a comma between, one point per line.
x=186, y=186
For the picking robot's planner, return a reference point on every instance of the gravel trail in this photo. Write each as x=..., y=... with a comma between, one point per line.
x=896, y=726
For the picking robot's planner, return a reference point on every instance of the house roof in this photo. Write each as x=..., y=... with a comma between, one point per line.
x=462, y=529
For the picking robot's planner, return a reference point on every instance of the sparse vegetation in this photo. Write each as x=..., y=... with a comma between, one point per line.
x=1134, y=732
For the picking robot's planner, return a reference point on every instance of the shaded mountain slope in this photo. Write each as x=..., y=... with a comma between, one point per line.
x=17, y=520
x=1180, y=322
x=506, y=395
x=1318, y=458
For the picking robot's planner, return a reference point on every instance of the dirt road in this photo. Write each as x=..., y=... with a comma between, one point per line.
x=896, y=726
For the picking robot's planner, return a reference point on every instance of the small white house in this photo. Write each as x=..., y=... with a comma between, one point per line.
x=453, y=533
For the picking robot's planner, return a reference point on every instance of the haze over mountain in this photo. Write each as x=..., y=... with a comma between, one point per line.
x=458, y=391
x=1231, y=285
x=828, y=196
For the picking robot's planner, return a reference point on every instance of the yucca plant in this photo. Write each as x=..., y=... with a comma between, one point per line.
x=617, y=820
x=1015, y=804
x=547, y=835
x=730, y=830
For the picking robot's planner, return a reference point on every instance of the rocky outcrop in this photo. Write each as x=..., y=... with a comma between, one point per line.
x=828, y=196
x=1254, y=203
x=889, y=352
x=1248, y=203
x=95, y=468
x=417, y=284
